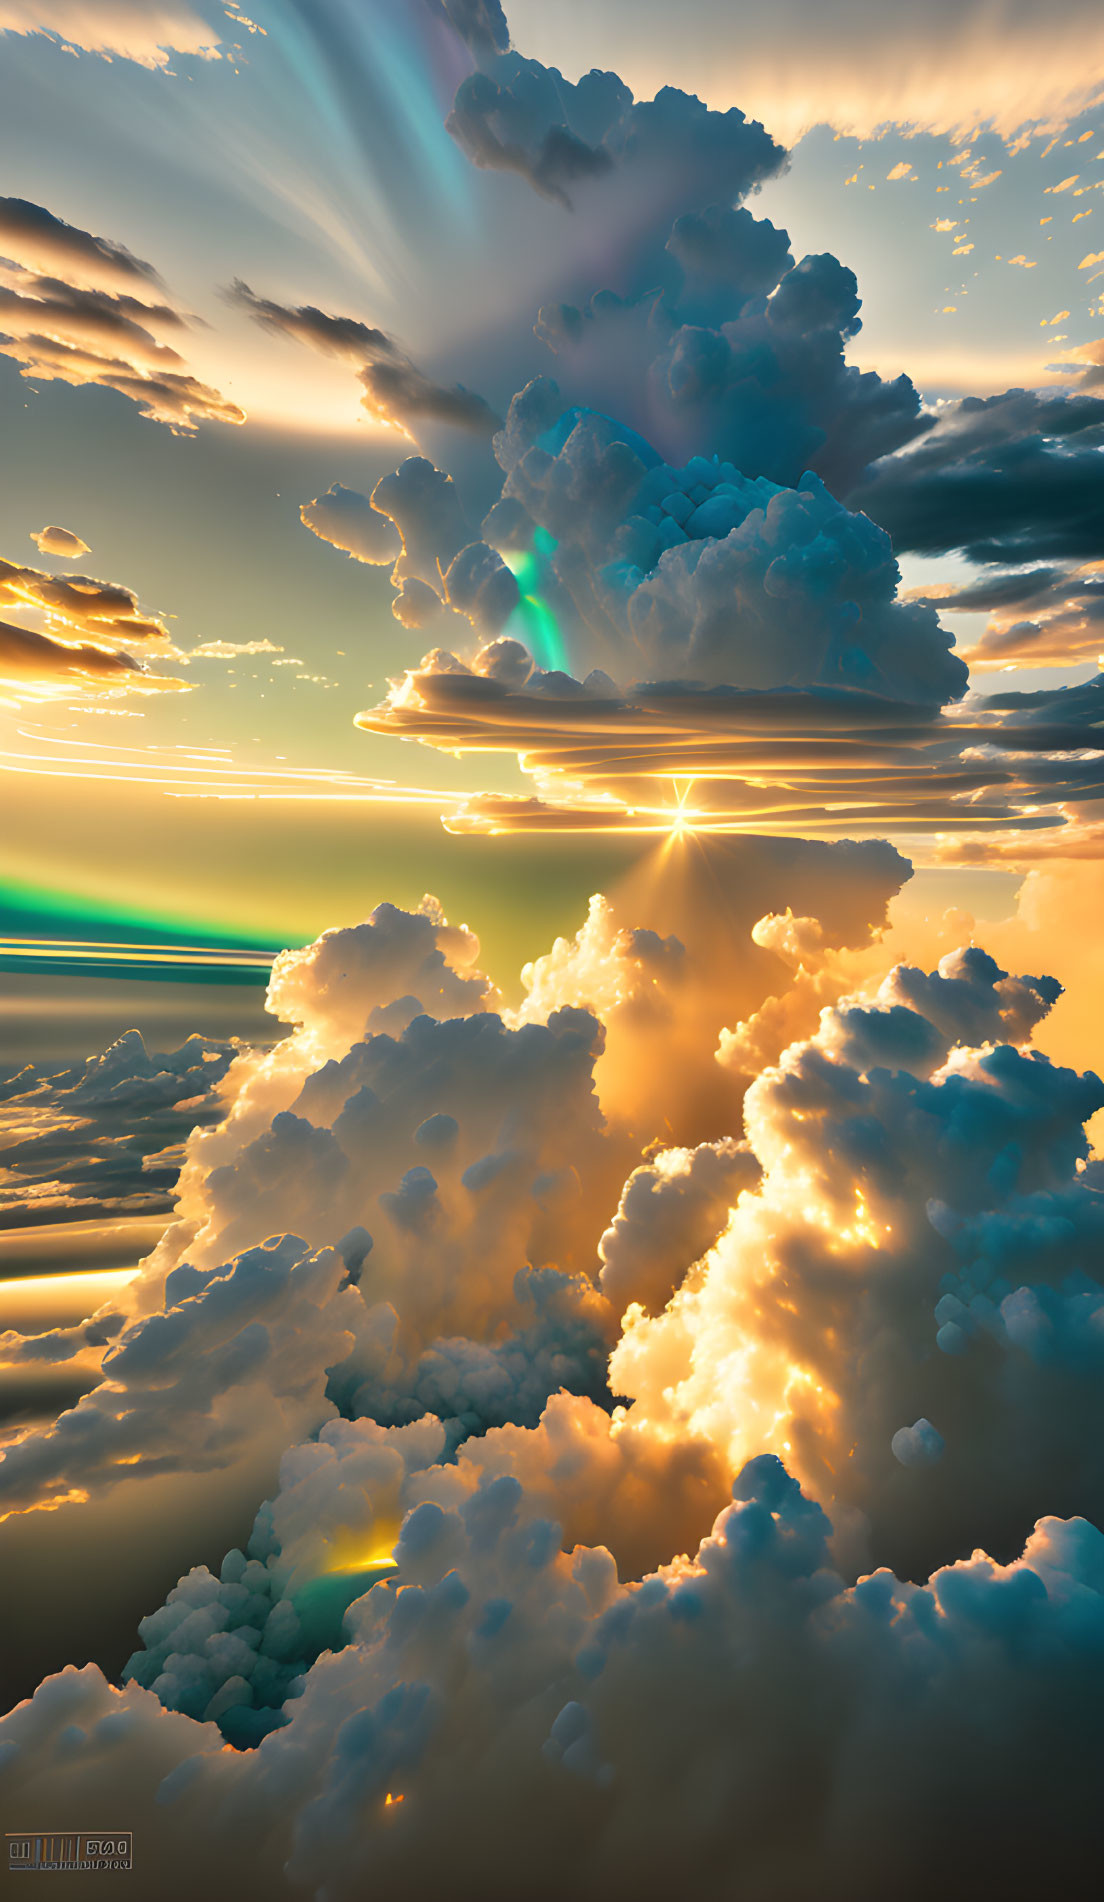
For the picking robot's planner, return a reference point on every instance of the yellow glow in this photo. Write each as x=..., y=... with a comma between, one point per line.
x=863, y=1228
x=75, y=1497
x=348, y=1556
x=377, y=1562
x=63, y=1300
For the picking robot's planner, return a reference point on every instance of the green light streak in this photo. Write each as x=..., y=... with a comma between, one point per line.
x=533, y=620
x=32, y=911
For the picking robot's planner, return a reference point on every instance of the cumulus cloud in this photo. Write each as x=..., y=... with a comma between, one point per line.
x=873, y=1315
x=59, y=541
x=104, y=1138
x=731, y=627
x=755, y=1651
x=348, y=521
x=689, y=509
x=615, y=1345
x=236, y=1361
x=516, y=115
x=77, y=308
x=899, y=1132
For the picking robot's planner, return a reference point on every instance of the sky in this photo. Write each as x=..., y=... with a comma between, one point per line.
x=305, y=153
x=551, y=585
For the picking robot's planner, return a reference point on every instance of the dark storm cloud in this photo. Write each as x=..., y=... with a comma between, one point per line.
x=347, y=520
x=481, y=23
x=402, y=394
x=1011, y=478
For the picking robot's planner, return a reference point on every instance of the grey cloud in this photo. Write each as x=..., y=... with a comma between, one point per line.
x=1010, y=478
x=101, y=1139
x=35, y=238
x=395, y=389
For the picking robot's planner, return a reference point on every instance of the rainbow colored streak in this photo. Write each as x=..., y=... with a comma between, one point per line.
x=534, y=621
x=73, y=934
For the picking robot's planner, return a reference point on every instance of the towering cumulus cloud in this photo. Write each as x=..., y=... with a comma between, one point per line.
x=497, y=1588
x=638, y=1432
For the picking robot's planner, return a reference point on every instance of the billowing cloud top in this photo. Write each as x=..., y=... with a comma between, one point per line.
x=867, y=1335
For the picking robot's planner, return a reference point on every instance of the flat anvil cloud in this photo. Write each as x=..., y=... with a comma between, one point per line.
x=679, y=754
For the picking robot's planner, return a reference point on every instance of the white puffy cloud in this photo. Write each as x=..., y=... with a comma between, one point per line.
x=919, y=1251
x=743, y=1710
x=488, y=1562
x=348, y=521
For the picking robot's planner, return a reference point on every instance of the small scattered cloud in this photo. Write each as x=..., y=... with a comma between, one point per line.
x=59, y=541
x=229, y=650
